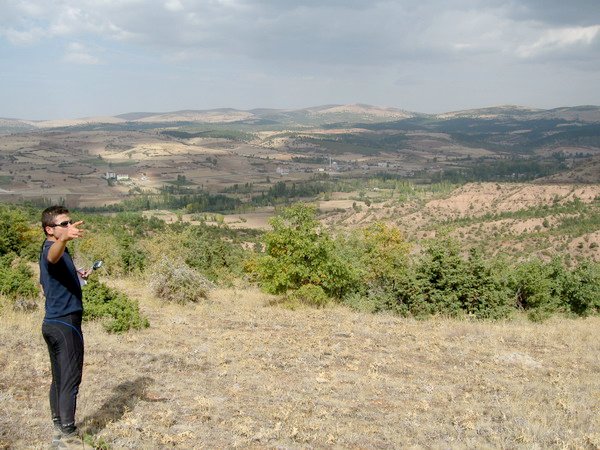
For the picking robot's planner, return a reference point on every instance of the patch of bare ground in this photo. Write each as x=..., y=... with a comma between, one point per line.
x=476, y=199
x=257, y=220
x=334, y=205
x=589, y=243
x=199, y=116
x=74, y=122
x=233, y=372
x=506, y=226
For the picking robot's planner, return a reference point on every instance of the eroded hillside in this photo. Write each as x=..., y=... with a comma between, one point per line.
x=517, y=219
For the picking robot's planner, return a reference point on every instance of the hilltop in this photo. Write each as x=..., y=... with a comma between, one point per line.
x=306, y=116
x=312, y=116
x=583, y=113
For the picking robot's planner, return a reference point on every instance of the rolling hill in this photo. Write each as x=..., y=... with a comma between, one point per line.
x=318, y=115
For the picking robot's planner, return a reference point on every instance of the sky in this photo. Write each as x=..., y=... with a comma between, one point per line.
x=83, y=58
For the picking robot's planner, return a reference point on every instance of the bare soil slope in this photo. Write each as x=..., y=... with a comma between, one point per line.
x=503, y=217
x=476, y=199
x=235, y=373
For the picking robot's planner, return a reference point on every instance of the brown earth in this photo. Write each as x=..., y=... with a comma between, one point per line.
x=420, y=217
x=479, y=198
x=472, y=200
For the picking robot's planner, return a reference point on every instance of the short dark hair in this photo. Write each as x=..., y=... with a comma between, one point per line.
x=50, y=213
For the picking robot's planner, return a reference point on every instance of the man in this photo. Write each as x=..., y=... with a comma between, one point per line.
x=62, y=322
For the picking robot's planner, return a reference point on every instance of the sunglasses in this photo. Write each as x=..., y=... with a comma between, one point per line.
x=63, y=224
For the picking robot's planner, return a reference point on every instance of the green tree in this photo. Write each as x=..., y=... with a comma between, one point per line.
x=536, y=286
x=384, y=255
x=16, y=278
x=298, y=252
x=580, y=289
x=379, y=254
x=449, y=284
x=208, y=250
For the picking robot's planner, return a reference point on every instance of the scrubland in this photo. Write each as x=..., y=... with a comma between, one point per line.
x=233, y=372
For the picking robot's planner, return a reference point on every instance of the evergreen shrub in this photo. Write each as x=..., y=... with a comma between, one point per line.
x=449, y=284
x=133, y=258
x=536, y=286
x=207, y=249
x=117, y=311
x=580, y=290
x=16, y=279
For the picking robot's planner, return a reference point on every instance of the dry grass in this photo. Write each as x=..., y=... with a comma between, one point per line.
x=234, y=373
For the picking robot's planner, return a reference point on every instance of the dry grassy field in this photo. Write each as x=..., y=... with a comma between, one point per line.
x=234, y=372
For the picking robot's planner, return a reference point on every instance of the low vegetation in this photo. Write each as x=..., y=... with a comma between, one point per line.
x=16, y=279
x=117, y=312
x=373, y=268
x=174, y=281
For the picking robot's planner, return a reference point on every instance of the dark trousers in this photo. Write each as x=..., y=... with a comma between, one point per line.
x=65, y=346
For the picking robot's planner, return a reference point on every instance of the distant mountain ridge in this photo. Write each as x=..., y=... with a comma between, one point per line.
x=313, y=116
x=583, y=113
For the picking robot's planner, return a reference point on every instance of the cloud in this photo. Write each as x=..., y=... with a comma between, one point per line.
x=77, y=53
x=328, y=32
x=294, y=51
x=299, y=32
x=554, y=12
x=30, y=22
x=173, y=5
x=24, y=37
x=557, y=40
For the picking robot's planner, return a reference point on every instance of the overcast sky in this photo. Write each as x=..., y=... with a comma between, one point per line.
x=78, y=58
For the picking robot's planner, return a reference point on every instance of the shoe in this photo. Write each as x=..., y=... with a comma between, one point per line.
x=56, y=433
x=70, y=441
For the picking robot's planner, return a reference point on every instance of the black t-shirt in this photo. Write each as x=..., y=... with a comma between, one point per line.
x=60, y=283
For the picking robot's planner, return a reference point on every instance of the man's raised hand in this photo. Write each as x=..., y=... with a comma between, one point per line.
x=73, y=231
